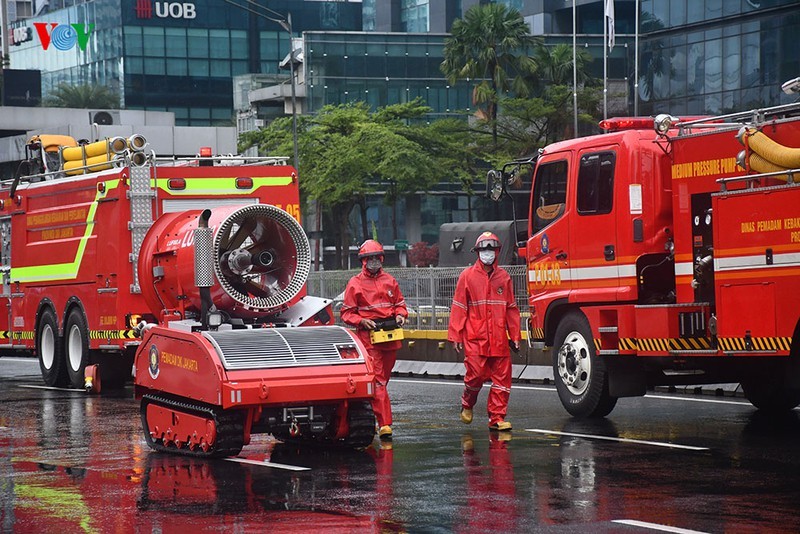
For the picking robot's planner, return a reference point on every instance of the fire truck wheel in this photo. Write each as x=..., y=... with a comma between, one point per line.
x=767, y=396
x=76, y=347
x=581, y=377
x=50, y=351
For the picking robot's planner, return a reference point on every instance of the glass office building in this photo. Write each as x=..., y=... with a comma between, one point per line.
x=715, y=56
x=168, y=56
x=380, y=69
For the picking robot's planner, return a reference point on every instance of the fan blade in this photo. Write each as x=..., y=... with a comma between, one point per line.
x=230, y=243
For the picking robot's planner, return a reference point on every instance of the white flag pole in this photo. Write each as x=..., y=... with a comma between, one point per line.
x=574, y=68
x=605, y=62
x=609, y=32
x=636, y=64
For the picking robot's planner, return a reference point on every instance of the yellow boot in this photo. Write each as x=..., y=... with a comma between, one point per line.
x=466, y=415
x=500, y=425
x=385, y=432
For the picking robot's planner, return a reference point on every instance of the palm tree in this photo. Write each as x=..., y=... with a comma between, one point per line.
x=82, y=96
x=555, y=64
x=490, y=45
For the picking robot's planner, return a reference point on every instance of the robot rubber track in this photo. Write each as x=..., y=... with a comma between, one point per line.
x=228, y=427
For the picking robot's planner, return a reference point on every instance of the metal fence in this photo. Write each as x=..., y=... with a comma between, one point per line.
x=428, y=291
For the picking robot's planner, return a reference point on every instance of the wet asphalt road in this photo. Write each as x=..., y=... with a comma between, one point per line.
x=76, y=463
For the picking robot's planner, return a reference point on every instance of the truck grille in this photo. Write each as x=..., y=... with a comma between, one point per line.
x=266, y=348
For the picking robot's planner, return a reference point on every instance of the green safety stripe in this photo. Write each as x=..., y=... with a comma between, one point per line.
x=219, y=186
x=64, y=271
x=194, y=186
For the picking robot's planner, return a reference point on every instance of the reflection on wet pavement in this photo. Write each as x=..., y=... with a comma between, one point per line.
x=76, y=463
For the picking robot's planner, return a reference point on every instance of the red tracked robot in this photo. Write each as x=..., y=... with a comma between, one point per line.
x=225, y=359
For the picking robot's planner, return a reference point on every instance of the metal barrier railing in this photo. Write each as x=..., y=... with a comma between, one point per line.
x=428, y=291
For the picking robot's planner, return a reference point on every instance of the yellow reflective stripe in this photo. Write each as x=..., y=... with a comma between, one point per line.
x=112, y=334
x=220, y=186
x=18, y=335
x=64, y=271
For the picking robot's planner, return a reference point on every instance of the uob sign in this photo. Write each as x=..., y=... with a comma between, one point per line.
x=174, y=10
x=63, y=36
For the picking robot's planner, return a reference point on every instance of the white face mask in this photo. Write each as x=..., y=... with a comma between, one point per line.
x=487, y=256
x=373, y=265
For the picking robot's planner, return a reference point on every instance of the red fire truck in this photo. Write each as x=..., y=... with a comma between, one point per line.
x=192, y=274
x=667, y=258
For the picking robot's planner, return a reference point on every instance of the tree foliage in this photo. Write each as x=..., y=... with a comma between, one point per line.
x=82, y=97
x=490, y=46
x=347, y=153
x=525, y=124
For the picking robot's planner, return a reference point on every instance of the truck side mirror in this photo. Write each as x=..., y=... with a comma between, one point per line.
x=495, y=186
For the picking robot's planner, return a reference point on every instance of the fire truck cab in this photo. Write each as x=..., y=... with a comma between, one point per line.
x=667, y=257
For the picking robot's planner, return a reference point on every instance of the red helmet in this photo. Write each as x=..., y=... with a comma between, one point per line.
x=487, y=240
x=370, y=247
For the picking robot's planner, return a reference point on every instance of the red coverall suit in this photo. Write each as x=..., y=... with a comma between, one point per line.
x=376, y=297
x=483, y=317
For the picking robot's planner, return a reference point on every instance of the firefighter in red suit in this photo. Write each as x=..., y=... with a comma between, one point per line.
x=484, y=323
x=374, y=295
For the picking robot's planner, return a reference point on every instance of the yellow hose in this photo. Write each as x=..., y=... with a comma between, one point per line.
x=115, y=145
x=97, y=163
x=761, y=165
x=771, y=151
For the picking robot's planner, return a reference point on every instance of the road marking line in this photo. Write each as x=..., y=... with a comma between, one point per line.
x=461, y=384
x=656, y=526
x=678, y=396
x=269, y=464
x=625, y=440
x=51, y=388
x=690, y=399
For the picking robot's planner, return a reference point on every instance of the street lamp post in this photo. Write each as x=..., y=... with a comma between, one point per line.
x=287, y=25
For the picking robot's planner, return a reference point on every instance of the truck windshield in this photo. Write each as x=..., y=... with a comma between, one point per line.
x=549, y=194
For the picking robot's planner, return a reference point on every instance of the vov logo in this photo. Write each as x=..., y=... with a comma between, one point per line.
x=63, y=36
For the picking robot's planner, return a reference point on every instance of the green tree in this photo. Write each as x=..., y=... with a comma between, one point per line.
x=526, y=124
x=555, y=64
x=490, y=46
x=347, y=153
x=82, y=96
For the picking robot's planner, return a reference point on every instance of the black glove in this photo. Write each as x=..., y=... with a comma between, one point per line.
x=512, y=346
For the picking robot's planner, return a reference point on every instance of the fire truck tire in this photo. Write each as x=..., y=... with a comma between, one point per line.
x=76, y=347
x=581, y=376
x=50, y=350
x=767, y=396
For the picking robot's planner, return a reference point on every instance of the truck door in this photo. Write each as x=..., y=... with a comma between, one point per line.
x=549, y=241
x=593, y=250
